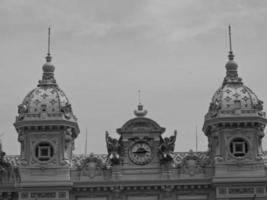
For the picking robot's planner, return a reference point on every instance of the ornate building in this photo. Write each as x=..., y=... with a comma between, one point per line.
x=141, y=163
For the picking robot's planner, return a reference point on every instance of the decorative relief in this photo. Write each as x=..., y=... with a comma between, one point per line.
x=92, y=166
x=191, y=165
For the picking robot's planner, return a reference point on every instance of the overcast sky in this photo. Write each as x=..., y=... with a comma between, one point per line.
x=104, y=51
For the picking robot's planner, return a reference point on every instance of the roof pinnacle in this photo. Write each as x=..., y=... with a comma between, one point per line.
x=48, y=57
x=231, y=55
x=140, y=112
x=231, y=66
x=48, y=67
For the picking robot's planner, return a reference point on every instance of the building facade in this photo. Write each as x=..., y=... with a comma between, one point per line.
x=140, y=163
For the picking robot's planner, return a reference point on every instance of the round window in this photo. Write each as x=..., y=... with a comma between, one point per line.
x=44, y=151
x=239, y=147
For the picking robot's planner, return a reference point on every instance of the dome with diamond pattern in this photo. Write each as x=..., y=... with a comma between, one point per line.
x=233, y=97
x=47, y=100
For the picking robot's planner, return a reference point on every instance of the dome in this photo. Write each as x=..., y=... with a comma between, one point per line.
x=233, y=98
x=47, y=101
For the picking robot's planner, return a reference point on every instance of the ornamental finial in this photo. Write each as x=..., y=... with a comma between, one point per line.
x=231, y=66
x=48, y=67
x=48, y=57
x=140, y=112
x=231, y=55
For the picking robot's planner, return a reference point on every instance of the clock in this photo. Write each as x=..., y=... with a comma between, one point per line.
x=140, y=153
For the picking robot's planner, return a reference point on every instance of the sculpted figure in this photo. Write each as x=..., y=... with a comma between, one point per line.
x=22, y=109
x=167, y=147
x=67, y=111
x=68, y=144
x=113, y=147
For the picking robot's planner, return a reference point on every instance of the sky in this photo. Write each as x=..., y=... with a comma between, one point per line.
x=105, y=51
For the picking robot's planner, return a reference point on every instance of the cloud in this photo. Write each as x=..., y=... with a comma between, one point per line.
x=173, y=20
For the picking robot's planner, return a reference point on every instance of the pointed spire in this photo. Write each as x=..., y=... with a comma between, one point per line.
x=140, y=112
x=48, y=67
x=231, y=66
x=231, y=55
x=48, y=57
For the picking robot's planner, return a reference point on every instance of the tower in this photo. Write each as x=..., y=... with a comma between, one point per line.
x=141, y=149
x=46, y=129
x=234, y=126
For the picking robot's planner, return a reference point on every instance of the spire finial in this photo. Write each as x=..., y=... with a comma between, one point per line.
x=140, y=112
x=230, y=37
x=48, y=57
x=140, y=106
x=49, y=33
x=231, y=55
x=48, y=67
x=231, y=66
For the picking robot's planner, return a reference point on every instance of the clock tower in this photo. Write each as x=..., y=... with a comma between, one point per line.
x=140, y=145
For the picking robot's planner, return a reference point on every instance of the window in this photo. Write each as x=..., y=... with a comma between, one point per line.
x=43, y=108
x=237, y=104
x=44, y=151
x=239, y=147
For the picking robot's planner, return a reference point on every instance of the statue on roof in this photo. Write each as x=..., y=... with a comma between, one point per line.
x=113, y=147
x=166, y=147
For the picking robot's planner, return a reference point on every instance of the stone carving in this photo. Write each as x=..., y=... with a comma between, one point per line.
x=21, y=139
x=166, y=147
x=8, y=172
x=214, y=108
x=69, y=144
x=113, y=147
x=191, y=164
x=67, y=110
x=92, y=166
x=259, y=106
x=22, y=109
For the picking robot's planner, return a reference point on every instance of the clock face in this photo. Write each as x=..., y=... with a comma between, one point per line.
x=140, y=153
